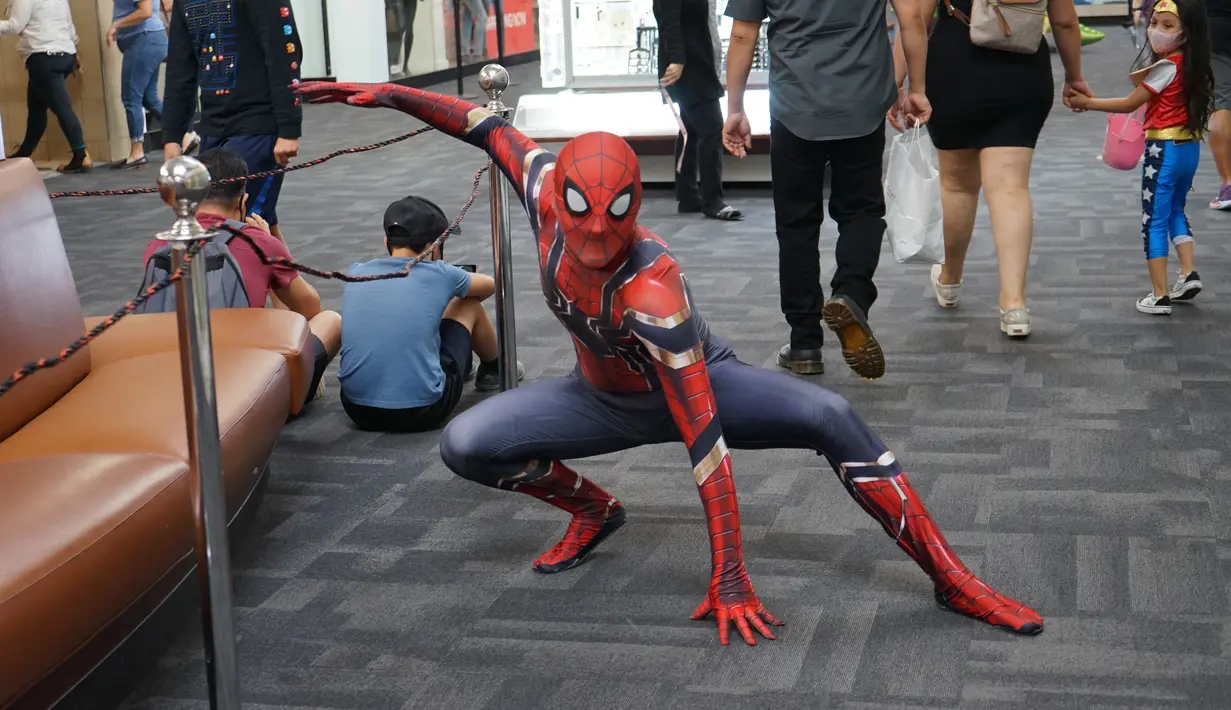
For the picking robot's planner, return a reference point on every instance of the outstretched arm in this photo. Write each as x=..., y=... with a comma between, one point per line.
x=522, y=160
x=657, y=310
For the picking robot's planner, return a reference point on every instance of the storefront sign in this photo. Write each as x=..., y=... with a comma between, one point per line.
x=519, y=28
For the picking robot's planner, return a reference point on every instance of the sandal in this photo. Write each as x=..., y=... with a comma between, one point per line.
x=726, y=214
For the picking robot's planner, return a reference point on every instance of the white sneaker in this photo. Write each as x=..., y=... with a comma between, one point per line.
x=1186, y=287
x=947, y=295
x=1015, y=322
x=1155, y=305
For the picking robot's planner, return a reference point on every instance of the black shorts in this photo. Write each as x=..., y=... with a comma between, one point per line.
x=456, y=360
x=320, y=361
x=1009, y=126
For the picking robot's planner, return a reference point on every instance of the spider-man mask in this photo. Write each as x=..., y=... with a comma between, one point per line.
x=598, y=195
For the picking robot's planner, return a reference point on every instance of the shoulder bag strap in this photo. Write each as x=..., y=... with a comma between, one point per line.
x=956, y=13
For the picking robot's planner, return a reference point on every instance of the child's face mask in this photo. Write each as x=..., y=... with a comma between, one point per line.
x=1163, y=42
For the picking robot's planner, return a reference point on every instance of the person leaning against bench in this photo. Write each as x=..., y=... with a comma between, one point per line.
x=227, y=202
x=407, y=343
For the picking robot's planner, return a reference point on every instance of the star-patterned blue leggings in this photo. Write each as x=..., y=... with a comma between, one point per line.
x=1166, y=177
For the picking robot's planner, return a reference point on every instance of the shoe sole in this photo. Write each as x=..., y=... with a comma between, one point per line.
x=1016, y=330
x=610, y=525
x=802, y=367
x=1154, y=310
x=859, y=346
x=1188, y=292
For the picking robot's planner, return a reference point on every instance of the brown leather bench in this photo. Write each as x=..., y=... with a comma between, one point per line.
x=96, y=510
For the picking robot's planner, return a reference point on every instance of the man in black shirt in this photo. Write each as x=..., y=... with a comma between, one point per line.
x=243, y=56
x=689, y=72
x=1220, y=122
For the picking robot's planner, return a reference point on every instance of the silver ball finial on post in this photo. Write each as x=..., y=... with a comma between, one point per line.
x=183, y=183
x=494, y=81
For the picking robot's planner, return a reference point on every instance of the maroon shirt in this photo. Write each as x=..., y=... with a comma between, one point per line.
x=259, y=279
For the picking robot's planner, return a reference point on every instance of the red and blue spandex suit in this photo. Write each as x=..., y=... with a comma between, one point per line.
x=649, y=371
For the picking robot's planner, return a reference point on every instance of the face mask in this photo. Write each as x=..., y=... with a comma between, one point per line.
x=1165, y=42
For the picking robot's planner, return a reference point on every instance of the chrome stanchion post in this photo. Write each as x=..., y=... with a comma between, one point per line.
x=494, y=79
x=183, y=182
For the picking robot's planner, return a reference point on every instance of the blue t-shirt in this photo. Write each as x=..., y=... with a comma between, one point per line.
x=391, y=333
x=124, y=8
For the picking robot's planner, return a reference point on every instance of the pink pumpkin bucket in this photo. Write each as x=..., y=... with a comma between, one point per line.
x=1125, y=141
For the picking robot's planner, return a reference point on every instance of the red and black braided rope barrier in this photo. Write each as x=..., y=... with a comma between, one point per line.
x=255, y=176
x=30, y=368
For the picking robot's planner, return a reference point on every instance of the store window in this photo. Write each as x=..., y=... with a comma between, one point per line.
x=432, y=35
x=614, y=43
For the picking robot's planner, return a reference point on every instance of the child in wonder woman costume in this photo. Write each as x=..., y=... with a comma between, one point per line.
x=1177, y=88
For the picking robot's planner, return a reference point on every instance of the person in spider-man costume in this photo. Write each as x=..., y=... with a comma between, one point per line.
x=649, y=372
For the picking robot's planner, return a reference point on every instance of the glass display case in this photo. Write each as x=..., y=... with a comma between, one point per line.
x=424, y=36
x=613, y=44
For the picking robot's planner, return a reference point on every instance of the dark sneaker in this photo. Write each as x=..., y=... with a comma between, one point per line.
x=1187, y=287
x=859, y=346
x=1155, y=305
x=488, y=378
x=801, y=362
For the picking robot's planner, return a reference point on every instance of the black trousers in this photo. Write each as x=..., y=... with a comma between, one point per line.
x=856, y=204
x=47, y=91
x=699, y=178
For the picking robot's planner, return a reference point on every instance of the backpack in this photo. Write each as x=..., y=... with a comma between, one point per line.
x=223, y=277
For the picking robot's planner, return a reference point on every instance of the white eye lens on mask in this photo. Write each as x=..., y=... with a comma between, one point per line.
x=619, y=208
x=576, y=203
x=1163, y=42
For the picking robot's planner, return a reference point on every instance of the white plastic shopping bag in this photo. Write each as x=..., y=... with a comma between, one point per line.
x=912, y=200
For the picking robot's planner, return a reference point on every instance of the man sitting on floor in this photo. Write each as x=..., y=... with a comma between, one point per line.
x=407, y=343
x=227, y=202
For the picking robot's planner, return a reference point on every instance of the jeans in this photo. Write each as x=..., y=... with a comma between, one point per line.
x=477, y=27
x=143, y=55
x=702, y=156
x=856, y=203
x=47, y=91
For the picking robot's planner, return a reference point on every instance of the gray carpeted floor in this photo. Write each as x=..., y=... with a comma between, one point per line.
x=1086, y=471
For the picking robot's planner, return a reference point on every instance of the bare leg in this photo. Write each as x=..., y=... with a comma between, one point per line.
x=1188, y=263
x=327, y=327
x=1158, y=274
x=960, y=182
x=1220, y=144
x=469, y=312
x=1006, y=183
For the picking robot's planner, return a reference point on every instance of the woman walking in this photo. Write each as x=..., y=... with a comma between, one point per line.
x=988, y=109
x=142, y=39
x=49, y=46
